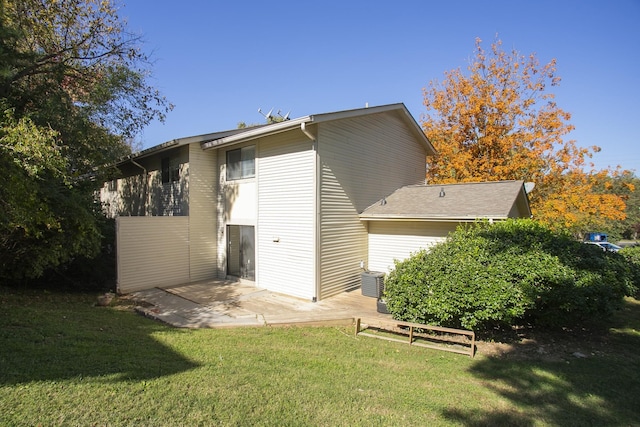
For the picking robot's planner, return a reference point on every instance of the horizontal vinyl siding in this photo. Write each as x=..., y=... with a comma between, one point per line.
x=285, y=230
x=391, y=240
x=202, y=220
x=343, y=240
x=151, y=252
x=362, y=160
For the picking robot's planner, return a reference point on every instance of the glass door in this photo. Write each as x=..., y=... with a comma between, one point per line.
x=241, y=251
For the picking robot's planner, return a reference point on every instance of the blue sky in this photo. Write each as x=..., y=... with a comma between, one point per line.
x=218, y=62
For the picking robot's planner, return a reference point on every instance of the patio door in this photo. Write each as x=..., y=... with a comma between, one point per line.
x=241, y=251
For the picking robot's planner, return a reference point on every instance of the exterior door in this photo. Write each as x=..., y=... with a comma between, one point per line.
x=241, y=251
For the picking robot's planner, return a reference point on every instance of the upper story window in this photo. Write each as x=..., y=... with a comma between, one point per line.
x=113, y=185
x=170, y=170
x=241, y=163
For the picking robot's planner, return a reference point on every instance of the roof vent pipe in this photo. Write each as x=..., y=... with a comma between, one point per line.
x=442, y=193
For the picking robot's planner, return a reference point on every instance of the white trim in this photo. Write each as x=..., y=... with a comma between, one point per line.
x=432, y=219
x=275, y=128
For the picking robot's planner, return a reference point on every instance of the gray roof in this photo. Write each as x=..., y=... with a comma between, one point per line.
x=453, y=202
x=287, y=125
x=179, y=142
x=236, y=136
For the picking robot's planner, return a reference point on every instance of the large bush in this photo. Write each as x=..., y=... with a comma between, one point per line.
x=505, y=273
x=632, y=255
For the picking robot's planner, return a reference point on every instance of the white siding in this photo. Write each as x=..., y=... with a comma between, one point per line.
x=397, y=240
x=286, y=226
x=238, y=197
x=241, y=202
x=110, y=198
x=140, y=190
x=202, y=213
x=362, y=160
x=236, y=204
x=129, y=197
x=169, y=199
x=152, y=251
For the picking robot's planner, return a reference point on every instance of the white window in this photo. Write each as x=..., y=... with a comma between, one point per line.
x=173, y=192
x=170, y=170
x=241, y=163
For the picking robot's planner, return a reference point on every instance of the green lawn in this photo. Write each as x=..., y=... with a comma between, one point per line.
x=64, y=361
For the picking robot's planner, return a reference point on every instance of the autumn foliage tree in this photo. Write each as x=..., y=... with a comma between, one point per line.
x=500, y=122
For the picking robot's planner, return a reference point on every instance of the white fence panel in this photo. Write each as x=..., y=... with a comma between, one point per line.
x=152, y=251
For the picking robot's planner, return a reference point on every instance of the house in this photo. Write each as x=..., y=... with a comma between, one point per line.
x=416, y=217
x=287, y=206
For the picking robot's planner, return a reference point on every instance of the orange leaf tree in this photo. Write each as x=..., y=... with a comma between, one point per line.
x=499, y=122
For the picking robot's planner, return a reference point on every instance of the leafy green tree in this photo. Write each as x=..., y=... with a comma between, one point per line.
x=78, y=54
x=73, y=90
x=269, y=119
x=632, y=255
x=627, y=185
x=43, y=218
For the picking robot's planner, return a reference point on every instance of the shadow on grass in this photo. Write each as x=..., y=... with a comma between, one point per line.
x=50, y=337
x=600, y=389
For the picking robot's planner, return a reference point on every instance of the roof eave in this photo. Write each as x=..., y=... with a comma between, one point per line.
x=176, y=143
x=288, y=125
x=379, y=217
x=259, y=132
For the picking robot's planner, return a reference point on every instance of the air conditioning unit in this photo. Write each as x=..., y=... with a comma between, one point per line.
x=372, y=284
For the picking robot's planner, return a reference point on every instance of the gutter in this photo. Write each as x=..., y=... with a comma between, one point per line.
x=257, y=132
x=430, y=219
x=303, y=128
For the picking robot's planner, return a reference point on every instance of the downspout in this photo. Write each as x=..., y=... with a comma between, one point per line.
x=316, y=210
x=145, y=183
x=303, y=128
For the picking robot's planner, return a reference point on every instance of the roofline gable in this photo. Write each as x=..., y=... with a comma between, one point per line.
x=237, y=136
x=275, y=128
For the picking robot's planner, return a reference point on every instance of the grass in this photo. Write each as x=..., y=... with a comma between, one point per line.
x=64, y=361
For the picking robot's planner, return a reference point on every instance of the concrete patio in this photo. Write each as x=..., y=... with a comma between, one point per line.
x=219, y=303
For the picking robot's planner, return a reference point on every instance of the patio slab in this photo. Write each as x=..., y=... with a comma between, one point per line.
x=220, y=303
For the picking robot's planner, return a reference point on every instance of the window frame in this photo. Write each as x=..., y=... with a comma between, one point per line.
x=169, y=170
x=112, y=185
x=241, y=163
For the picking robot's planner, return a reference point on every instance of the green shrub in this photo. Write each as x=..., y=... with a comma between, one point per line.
x=82, y=273
x=632, y=256
x=486, y=274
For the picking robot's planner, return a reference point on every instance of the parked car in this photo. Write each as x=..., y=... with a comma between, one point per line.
x=628, y=243
x=606, y=246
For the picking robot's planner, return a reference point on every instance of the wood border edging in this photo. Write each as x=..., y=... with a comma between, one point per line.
x=407, y=329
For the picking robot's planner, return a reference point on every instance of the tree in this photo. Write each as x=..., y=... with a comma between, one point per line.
x=499, y=122
x=43, y=218
x=626, y=185
x=80, y=52
x=270, y=119
x=73, y=91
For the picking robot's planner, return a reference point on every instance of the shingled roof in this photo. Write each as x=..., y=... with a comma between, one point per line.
x=453, y=202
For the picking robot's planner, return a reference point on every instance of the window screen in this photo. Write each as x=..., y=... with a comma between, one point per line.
x=241, y=163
